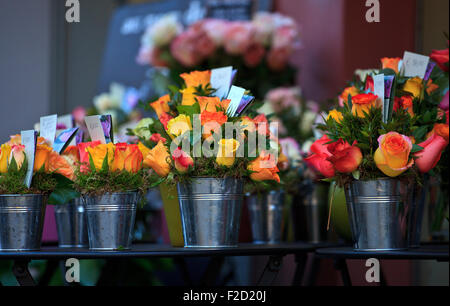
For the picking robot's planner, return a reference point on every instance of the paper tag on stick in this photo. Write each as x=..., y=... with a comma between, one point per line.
x=48, y=128
x=415, y=65
x=95, y=128
x=235, y=96
x=221, y=80
x=29, y=141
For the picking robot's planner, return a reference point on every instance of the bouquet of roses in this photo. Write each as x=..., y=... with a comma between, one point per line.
x=200, y=135
x=402, y=133
x=259, y=48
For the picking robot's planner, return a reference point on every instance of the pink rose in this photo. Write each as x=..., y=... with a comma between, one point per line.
x=78, y=115
x=215, y=29
x=428, y=158
x=277, y=59
x=205, y=45
x=285, y=37
x=183, y=49
x=444, y=103
x=238, y=37
x=254, y=55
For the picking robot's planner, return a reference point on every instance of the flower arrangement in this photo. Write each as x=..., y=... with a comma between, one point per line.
x=400, y=135
x=260, y=49
x=200, y=135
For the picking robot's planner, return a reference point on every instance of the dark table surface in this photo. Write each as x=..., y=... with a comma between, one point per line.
x=437, y=252
x=157, y=250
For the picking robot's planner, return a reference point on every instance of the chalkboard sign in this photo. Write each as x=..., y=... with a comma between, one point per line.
x=230, y=9
x=130, y=22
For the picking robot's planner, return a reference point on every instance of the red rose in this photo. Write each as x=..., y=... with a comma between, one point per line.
x=428, y=158
x=254, y=54
x=157, y=138
x=319, y=159
x=182, y=160
x=346, y=158
x=441, y=58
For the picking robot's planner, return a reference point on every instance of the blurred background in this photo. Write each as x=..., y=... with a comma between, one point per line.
x=48, y=65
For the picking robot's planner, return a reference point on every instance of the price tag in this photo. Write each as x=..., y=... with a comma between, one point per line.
x=221, y=80
x=48, y=128
x=29, y=141
x=415, y=65
x=95, y=128
x=235, y=96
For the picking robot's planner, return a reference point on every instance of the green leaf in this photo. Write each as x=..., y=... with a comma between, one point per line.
x=356, y=174
x=105, y=166
x=416, y=148
x=62, y=195
x=189, y=110
x=91, y=163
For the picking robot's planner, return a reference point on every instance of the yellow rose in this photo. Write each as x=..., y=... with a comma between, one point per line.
x=414, y=86
x=157, y=158
x=178, y=126
x=18, y=153
x=362, y=104
x=227, y=152
x=392, y=156
x=99, y=152
x=336, y=115
x=5, y=151
x=188, y=96
x=196, y=78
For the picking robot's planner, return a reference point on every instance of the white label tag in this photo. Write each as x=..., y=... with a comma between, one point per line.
x=95, y=128
x=415, y=65
x=29, y=141
x=235, y=96
x=221, y=80
x=66, y=121
x=48, y=128
x=378, y=88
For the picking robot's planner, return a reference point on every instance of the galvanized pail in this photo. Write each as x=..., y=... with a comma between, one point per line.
x=379, y=212
x=71, y=223
x=110, y=219
x=266, y=216
x=211, y=211
x=21, y=222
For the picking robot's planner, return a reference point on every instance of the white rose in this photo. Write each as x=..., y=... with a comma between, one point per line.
x=163, y=31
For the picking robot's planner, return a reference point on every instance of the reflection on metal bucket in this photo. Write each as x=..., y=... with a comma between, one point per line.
x=71, y=224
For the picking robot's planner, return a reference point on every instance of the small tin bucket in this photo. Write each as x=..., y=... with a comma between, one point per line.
x=110, y=219
x=21, y=222
x=210, y=211
x=379, y=212
x=266, y=216
x=71, y=224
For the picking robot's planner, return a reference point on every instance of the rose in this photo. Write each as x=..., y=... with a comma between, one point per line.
x=291, y=149
x=178, y=126
x=184, y=50
x=318, y=160
x=78, y=114
x=362, y=104
x=370, y=84
x=431, y=87
x=182, y=160
x=444, y=103
x=393, y=154
x=390, y=63
x=352, y=91
x=84, y=155
x=205, y=46
x=215, y=29
x=248, y=124
x=414, y=86
x=127, y=157
x=284, y=37
x=441, y=58
x=212, y=121
x=238, y=37
x=18, y=153
x=196, y=78
x=156, y=137
x=161, y=105
x=277, y=58
x=188, y=96
x=41, y=158
x=254, y=55
x=163, y=31
x=66, y=163
x=5, y=151
x=264, y=168
x=336, y=115
x=406, y=103
x=156, y=158
x=227, y=151
x=428, y=158
x=346, y=158
x=165, y=118
x=440, y=129
x=212, y=104
x=101, y=153
x=264, y=25
x=261, y=124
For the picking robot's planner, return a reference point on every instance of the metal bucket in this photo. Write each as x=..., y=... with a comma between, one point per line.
x=71, y=224
x=309, y=212
x=379, y=212
x=110, y=220
x=21, y=222
x=210, y=211
x=266, y=216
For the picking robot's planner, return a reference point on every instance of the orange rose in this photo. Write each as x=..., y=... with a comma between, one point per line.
x=431, y=86
x=390, y=63
x=17, y=139
x=41, y=157
x=212, y=104
x=62, y=164
x=157, y=159
x=161, y=105
x=189, y=96
x=264, y=168
x=352, y=91
x=196, y=78
x=72, y=152
x=127, y=157
x=406, y=103
x=392, y=156
x=362, y=103
x=440, y=129
x=212, y=121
